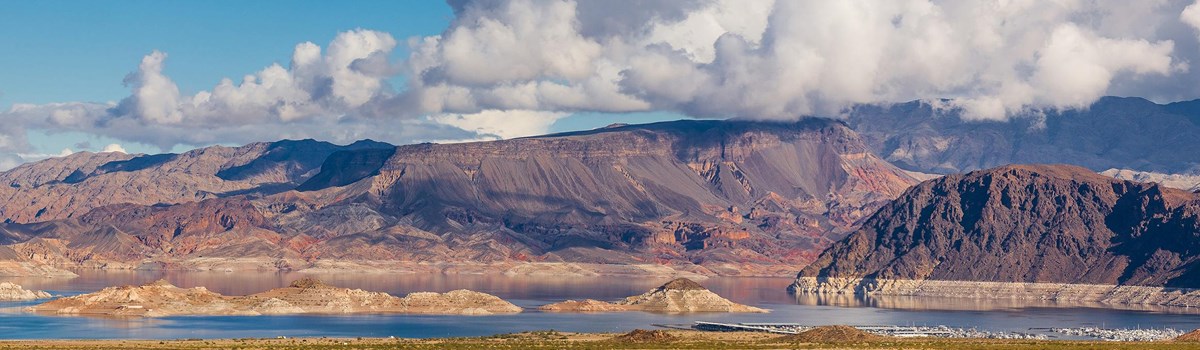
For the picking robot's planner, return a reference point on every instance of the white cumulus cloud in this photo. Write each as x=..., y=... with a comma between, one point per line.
x=113, y=147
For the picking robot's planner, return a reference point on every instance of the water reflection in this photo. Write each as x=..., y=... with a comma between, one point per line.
x=971, y=304
x=531, y=292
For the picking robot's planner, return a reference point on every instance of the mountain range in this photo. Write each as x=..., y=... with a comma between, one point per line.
x=710, y=197
x=1115, y=132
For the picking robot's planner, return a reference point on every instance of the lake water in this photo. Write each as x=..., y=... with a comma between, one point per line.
x=531, y=292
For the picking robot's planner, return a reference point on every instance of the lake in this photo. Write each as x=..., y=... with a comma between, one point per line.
x=531, y=292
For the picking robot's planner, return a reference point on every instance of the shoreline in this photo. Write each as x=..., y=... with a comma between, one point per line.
x=1052, y=292
x=549, y=339
x=367, y=267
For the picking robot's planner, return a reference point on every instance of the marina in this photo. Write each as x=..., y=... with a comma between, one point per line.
x=1119, y=334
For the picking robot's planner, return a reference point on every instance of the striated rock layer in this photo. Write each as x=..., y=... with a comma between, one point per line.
x=1038, y=231
x=697, y=197
x=678, y=296
x=1056, y=292
x=305, y=296
x=13, y=292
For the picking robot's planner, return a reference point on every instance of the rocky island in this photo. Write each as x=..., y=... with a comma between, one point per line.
x=304, y=296
x=13, y=292
x=677, y=296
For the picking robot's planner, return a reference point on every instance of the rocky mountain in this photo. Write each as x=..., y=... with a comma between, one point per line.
x=59, y=188
x=711, y=197
x=1184, y=182
x=1023, y=224
x=1122, y=133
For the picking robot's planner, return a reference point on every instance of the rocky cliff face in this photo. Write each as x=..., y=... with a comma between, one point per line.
x=1038, y=223
x=60, y=188
x=1122, y=133
x=725, y=197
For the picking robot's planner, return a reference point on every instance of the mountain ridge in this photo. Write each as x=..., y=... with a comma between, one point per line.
x=1026, y=224
x=718, y=197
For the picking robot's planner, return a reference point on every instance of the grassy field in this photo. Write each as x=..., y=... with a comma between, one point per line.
x=556, y=340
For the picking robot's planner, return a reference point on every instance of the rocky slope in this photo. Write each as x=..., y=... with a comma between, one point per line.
x=64, y=187
x=1122, y=133
x=707, y=197
x=677, y=296
x=13, y=292
x=1186, y=182
x=1019, y=224
x=305, y=296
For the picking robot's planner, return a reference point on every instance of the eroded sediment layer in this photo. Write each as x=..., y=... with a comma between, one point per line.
x=305, y=296
x=13, y=292
x=1058, y=292
x=677, y=296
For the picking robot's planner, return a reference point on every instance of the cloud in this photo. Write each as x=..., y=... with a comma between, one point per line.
x=786, y=59
x=39, y=156
x=1191, y=15
x=497, y=124
x=510, y=68
x=113, y=147
x=326, y=95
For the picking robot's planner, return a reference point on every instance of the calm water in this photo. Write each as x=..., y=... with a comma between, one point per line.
x=531, y=292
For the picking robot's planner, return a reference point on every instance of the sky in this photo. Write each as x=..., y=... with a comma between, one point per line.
x=158, y=76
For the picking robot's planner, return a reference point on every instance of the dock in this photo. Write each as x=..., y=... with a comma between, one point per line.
x=888, y=330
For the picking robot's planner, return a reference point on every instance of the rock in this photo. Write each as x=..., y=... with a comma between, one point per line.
x=586, y=305
x=13, y=292
x=643, y=336
x=1114, y=132
x=156, y=299
x=1190, y=337
x=1186, y=182
x=742, y=197
x=680, y=295
x=304, y=296
x=832, y=334
x=460, y=301
x=1029, y=225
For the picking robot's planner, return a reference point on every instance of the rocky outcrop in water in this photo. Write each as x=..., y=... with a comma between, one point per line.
x=13, y=292
x=697, y=197
x=677, y=296
x=1042, y=224
x=305, y=296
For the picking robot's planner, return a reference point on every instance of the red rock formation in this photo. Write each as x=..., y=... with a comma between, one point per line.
x=1027, y=223
x=714, y=193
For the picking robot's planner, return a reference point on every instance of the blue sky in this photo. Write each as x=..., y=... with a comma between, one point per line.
x=82, y=50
